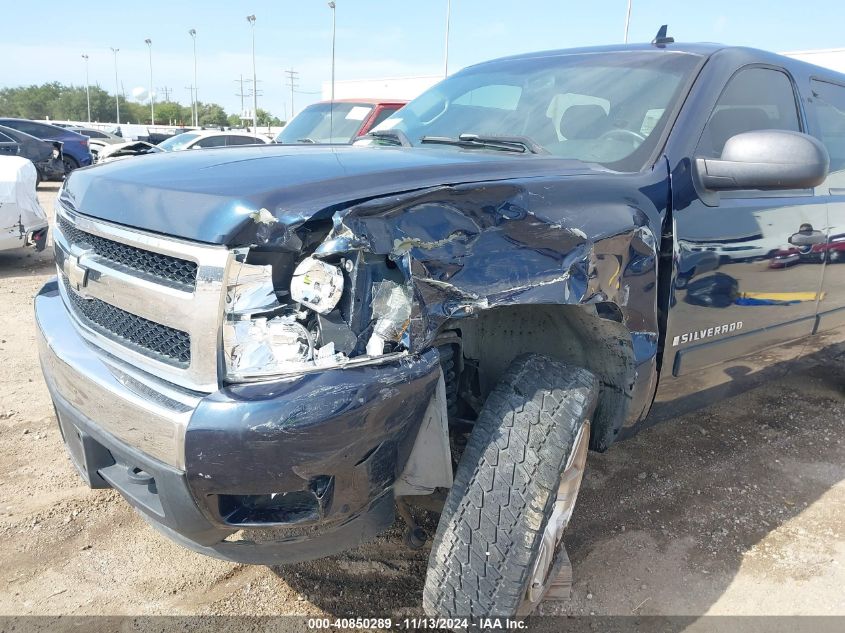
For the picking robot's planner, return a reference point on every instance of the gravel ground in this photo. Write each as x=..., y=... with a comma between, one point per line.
x=736, y=509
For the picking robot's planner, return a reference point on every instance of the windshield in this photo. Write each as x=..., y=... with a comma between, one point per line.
x=318, y=123
x=177, y=142
x=607, y=108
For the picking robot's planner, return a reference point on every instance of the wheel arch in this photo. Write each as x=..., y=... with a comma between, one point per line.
x=589, y=336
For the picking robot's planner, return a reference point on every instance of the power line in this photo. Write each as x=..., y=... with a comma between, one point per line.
x=260, y=92
x=166, y=91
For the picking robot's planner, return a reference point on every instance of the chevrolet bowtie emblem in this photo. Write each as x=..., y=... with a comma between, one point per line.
x=77, y=273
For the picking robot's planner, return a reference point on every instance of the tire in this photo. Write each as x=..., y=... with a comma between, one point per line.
x=70, y=163
x=495, y=517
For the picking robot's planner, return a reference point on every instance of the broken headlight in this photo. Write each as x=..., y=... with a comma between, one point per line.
x=260, y=338
x=272, y=331
x=317, y=285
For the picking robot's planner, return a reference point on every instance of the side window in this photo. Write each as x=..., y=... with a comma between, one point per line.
x=828, y=104
x=243, y=140
x=211, y=141
x=33, y=129
x=754, y=99
x=94, y=134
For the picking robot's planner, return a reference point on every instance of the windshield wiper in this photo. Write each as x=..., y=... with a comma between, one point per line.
x=398, y=136
x=521, y=144
x=307, y=140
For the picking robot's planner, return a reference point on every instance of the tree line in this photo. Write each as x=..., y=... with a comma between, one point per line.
x=56, y=101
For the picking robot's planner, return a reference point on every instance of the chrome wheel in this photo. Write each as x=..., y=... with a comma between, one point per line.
x=548, y=560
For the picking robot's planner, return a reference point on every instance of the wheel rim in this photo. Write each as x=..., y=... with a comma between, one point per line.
x=545, y=568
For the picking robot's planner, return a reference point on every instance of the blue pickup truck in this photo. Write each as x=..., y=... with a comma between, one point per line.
x=270, y=351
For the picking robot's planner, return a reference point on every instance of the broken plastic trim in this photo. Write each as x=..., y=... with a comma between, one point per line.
x=359, y=361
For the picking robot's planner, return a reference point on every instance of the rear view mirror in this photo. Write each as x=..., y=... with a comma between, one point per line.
x=765, y=159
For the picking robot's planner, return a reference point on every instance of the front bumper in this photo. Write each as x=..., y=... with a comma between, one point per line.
x=325, y=448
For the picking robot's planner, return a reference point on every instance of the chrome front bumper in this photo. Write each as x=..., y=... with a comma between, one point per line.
x=135, y=408
x=192, y=464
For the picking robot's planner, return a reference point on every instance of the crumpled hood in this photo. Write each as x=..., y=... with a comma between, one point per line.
x=216, y=196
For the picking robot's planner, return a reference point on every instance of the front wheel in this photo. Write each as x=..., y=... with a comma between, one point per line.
x=497, y=547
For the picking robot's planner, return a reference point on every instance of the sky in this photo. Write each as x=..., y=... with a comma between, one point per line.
x=43, y=40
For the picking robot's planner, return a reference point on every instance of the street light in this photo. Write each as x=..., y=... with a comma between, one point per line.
x=627, y=20
x=87, y=88
x=251, y=20
x=195, y=105
x=331, y=107
x=116, y=84
x=149, y=44
x=446, y=55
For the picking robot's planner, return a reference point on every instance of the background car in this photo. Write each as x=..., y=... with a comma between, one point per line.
x=45, y=155
x=210, y=138
x=100, y=135
x=98, y=139
x=22, y=219
x=75, y=151
x=339, y=121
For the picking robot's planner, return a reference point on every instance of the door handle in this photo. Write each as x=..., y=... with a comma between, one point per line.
x=836, y=191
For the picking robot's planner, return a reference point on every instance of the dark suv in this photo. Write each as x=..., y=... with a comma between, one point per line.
x=75, y=152
x=269, y=350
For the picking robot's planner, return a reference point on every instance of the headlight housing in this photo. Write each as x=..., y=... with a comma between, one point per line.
x=272, y=332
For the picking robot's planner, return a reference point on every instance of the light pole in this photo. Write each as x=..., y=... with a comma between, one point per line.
x=195, y=105
x=251, y=20
x=627, y=20
x=87, y=86
x=331, y=107
x=446, y=55
x=149, y=44
x=116, y=85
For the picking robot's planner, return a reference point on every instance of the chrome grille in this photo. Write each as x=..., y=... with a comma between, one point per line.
x=154, y=302
x=173, y=269
x=158, y=341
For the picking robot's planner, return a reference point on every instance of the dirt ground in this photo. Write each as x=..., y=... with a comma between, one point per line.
x=736, y=509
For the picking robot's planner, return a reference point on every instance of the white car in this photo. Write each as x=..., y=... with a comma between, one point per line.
x=199, y=139
x=211, y=138
x=22, y=220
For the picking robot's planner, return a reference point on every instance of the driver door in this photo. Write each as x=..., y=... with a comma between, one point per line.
x=747, y=275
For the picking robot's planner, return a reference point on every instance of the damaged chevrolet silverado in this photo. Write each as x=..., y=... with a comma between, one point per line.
x=272, y=351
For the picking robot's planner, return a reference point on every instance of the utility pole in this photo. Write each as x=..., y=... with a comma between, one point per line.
x=149, y=44
x=292, y=77
x=241, y=94
x=116, y=85
x=195, y=107
x=250, y=92
x=166, y=92
x=87, y=86
x=627, y=20
x=251, y=20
